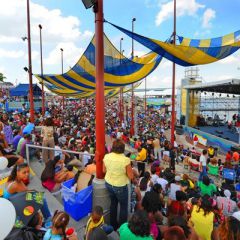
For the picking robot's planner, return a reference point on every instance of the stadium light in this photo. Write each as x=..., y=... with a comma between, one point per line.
x=88, y=3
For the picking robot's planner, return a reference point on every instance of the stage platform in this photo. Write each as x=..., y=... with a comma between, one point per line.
x=221, y=132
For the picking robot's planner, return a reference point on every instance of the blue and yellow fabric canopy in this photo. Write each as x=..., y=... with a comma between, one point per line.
x=190, y=52
x=118, y=71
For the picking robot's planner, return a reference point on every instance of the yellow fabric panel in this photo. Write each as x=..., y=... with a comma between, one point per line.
x=64, y=80
x=186, y=42
x=184, y=102
x=205, y=43
x=193, y=108
x=118, y=79
x=146, y=59
x=61, y=86
x=187, y=54
x=228, y=39
x=78, y=78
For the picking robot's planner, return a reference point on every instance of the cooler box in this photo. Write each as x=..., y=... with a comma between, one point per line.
x=76, y=204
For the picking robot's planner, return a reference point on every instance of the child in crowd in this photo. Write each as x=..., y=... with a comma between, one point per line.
x=96, y=220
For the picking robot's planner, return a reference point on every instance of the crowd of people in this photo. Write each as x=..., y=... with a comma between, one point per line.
x=164, y=203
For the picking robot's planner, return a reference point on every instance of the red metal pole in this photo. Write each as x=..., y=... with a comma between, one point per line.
x=63, y=98
x=100, y=100
x=41, y=57
x=30, y=65
x=173, y=80
x=145, y=100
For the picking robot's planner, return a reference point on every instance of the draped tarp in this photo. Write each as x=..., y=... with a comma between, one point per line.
x=190, y=52
x=79, y=94
x=118, y=71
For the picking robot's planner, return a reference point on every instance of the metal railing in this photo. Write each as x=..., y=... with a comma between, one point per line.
x=53, y=149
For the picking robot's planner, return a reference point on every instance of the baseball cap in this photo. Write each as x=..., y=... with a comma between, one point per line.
x=177, y=178
x=236, y=215
x=227, y=193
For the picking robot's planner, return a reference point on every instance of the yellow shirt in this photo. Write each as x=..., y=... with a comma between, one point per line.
x=203, y=225
x=116, y=169
x=142, y=155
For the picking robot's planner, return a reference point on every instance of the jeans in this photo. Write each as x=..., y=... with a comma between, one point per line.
x=45, y=210
x=118, y=195
x=202, y=173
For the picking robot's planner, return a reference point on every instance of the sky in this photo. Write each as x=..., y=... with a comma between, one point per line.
x=68, y=25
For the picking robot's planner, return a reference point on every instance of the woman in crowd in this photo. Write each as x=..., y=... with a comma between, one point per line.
x=47, y=135
x=15, y=184
x=178, y=207
x=6, y=128
x=206, y=187
x=180, y=221
x=202, y=218
x=138, y=227
x=54, y=174
x=118, y=173
x=230, y=228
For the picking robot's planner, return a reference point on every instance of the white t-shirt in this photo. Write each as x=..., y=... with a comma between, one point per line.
x=154, y=178
x=86, y=158
x=173, y=189
x=163, y=182
x=203, y=160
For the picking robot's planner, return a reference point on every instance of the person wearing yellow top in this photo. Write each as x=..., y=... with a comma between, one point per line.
x=118, y=173
x=202, y=218
x=141, y=157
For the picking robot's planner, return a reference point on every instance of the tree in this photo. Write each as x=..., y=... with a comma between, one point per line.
x=2, y=77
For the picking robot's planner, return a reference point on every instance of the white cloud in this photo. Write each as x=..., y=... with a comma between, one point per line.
x=208, y=16
x=184, y=7
x=71, y=54
x=11, y=53
x=56, y=27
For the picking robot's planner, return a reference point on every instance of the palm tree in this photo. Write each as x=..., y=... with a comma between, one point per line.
x=2, y=77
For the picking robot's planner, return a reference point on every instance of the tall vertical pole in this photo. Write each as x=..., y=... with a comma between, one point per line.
x=173, y=80
x=63, y=99
x=132, y=102
x=41, y=58
x=145, y=100
x=100, y=100
x=121, y=89
x=30, y=65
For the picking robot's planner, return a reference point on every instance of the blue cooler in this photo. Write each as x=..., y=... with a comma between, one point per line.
x=76, y=204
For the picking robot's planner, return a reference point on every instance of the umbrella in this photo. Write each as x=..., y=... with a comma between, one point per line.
x=26, y=205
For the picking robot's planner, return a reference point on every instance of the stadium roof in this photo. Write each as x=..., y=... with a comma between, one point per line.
x=231, y=86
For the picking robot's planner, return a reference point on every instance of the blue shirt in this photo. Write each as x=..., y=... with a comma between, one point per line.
x=16, y=139
x=49, y=236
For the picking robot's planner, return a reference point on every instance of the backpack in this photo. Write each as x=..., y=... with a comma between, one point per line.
x=25, y=233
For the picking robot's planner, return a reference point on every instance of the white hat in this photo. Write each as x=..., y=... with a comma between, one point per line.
x=227, y=193
x=178, y=178
x=236, y=215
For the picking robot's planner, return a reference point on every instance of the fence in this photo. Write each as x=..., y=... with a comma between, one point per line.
x=53, y=149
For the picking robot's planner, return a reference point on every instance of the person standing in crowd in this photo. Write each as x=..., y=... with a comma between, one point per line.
x=118, y=173
x=195, y=140
x=202, y=218
x=141, y=159
x=157, y=148
x=47, y=135
x=203, y=164
x=6, y=128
